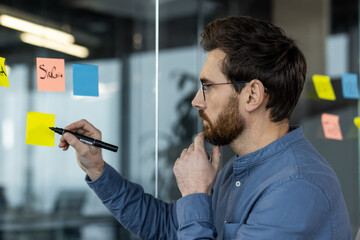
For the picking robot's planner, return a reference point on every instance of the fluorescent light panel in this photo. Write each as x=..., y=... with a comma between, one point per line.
x=68, y=48
x=33, y=28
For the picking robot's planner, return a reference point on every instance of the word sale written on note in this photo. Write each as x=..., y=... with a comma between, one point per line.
x=50, y=74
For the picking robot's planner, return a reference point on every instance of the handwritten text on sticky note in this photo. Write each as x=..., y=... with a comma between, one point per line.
x=350, y=86
x=4, y=81
x=50, y=74
x=323, y=87
x=331, y=126
x=37, y=129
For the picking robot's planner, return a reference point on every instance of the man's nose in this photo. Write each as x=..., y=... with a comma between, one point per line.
x=198, y=101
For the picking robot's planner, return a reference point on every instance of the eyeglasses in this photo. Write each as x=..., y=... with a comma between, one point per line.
x=204, y=87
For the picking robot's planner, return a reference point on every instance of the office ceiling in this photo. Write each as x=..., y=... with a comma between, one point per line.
x=105, y=26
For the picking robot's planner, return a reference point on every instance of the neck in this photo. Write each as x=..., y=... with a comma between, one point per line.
x=259, y=134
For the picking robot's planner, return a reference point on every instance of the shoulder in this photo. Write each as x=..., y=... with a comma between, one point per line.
x=315, y=170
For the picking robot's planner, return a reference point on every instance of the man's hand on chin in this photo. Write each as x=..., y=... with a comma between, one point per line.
x=193, y=171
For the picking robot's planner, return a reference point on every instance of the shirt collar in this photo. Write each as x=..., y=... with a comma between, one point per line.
x=241, y=163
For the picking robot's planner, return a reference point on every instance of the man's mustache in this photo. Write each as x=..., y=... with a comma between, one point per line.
x=202, y=115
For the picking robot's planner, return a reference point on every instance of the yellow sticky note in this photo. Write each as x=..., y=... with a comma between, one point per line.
x=37, y=129
x=357, y=122
x=4, y=81
x=323, y=87
x=331, y=126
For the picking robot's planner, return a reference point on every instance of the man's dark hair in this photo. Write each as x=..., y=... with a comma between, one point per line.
x=259, y=50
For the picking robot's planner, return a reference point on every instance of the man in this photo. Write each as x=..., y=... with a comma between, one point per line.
x=276, y=187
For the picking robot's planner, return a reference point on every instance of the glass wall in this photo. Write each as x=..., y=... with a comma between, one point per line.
x=43, y=194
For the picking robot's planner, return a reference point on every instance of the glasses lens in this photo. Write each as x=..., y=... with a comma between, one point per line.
x=203, y=92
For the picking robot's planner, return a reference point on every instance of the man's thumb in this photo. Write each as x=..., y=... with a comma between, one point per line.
x=216, y=156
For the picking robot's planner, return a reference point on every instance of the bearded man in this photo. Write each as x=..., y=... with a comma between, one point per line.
x=276, y=187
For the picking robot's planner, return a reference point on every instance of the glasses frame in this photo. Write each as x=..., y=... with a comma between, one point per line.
x=204, y=86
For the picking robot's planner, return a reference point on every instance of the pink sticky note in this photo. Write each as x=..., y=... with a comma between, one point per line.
x=50, y=74
x=331, y=126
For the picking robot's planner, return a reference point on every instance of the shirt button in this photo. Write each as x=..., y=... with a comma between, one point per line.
x=238, y=183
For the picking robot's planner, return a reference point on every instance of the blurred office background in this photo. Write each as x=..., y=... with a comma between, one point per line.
x=43, y=194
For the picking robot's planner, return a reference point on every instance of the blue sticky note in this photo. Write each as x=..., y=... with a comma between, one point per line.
x=350, y=86
x=85, y=80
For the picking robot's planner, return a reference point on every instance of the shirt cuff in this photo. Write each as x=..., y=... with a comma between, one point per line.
x=194, y=207
x=106, y=183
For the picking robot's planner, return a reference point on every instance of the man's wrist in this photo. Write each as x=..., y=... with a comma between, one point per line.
x=96, y=172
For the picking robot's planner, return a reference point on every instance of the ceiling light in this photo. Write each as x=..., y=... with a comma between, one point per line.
x=68, y=48
x=33, y=28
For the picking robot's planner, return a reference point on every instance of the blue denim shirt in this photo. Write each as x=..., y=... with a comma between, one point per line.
x=285, y=190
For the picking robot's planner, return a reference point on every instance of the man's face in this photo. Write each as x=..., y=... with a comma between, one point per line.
x=220, y=111
x=227, y=126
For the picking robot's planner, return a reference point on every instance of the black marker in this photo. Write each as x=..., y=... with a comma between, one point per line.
x=87, y=140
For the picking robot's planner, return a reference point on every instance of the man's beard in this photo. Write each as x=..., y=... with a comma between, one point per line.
x=228, y=125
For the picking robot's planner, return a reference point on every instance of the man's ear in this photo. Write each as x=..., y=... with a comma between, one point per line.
x=255, y=95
